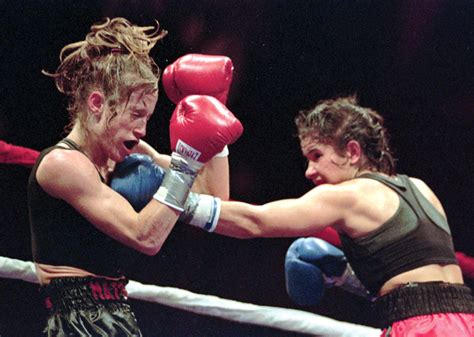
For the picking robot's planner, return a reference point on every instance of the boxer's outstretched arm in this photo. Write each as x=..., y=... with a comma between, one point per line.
x=316, y=210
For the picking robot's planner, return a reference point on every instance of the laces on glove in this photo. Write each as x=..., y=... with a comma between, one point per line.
x=349, y=282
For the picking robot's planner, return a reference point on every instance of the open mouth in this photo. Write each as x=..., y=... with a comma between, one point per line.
x=129, y=144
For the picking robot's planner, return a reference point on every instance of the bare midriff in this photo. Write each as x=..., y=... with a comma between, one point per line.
x=47, y=272
x=431, y=273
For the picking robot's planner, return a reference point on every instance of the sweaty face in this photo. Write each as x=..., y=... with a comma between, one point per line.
x=129, y=125
x=325, y=164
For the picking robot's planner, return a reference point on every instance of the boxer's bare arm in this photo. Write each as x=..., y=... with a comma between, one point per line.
x=316, y=210
x=161, y=159
x=70, y=176
x=214, y=179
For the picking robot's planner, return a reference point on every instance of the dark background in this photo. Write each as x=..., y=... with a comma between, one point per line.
x=413, y=61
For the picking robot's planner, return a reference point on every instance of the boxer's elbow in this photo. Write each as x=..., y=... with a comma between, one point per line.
x=149, y=246
x=149, y=243
x=146, y=247
x=151, y=251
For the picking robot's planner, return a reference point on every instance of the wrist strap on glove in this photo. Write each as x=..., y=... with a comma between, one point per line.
x=179, y=179
x=349, y=282
x=202, y=211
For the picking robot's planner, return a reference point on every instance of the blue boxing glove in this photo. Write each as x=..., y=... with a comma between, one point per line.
x=137, y=178
x=312, y=265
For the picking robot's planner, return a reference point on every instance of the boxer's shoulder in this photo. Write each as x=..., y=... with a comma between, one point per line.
x=62, y=167
x=61, y=158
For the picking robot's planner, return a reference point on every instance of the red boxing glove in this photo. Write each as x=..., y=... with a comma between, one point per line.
x=467, y=265
x=330, y=235
x=201, y=126
x=198, y=74
x=14, y=154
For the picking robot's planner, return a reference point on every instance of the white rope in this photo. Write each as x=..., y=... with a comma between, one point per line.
x=17, y=269
x=274, y=317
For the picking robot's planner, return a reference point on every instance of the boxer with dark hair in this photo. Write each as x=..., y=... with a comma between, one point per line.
x=310, y=261
x=81, y=228
x=393, y=228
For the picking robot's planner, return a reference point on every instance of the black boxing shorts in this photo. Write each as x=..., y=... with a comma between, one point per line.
x=88, y=306
x=431, y=309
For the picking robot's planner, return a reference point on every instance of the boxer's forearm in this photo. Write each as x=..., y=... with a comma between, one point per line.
x=239, y=220
x=281, y=218
x=161, y=159
x=213, y=179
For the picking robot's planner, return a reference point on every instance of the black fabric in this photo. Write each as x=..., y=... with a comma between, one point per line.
x=88, y=306
x=408, y=240
x=72, y=144
x=61, y=236
x=415, y=299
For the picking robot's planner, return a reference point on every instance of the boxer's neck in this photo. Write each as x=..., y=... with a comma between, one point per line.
x=90, y=147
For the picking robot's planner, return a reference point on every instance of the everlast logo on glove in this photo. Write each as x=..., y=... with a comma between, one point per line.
x=188, y=151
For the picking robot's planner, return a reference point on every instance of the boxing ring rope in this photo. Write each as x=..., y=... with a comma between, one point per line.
x=273, y=317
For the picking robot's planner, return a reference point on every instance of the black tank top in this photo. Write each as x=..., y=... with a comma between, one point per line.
x=416, y=235
x=61, y=236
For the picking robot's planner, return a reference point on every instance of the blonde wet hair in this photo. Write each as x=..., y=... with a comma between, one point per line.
x=114, y=59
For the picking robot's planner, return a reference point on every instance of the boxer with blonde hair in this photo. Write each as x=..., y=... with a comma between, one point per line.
x=82, y=230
